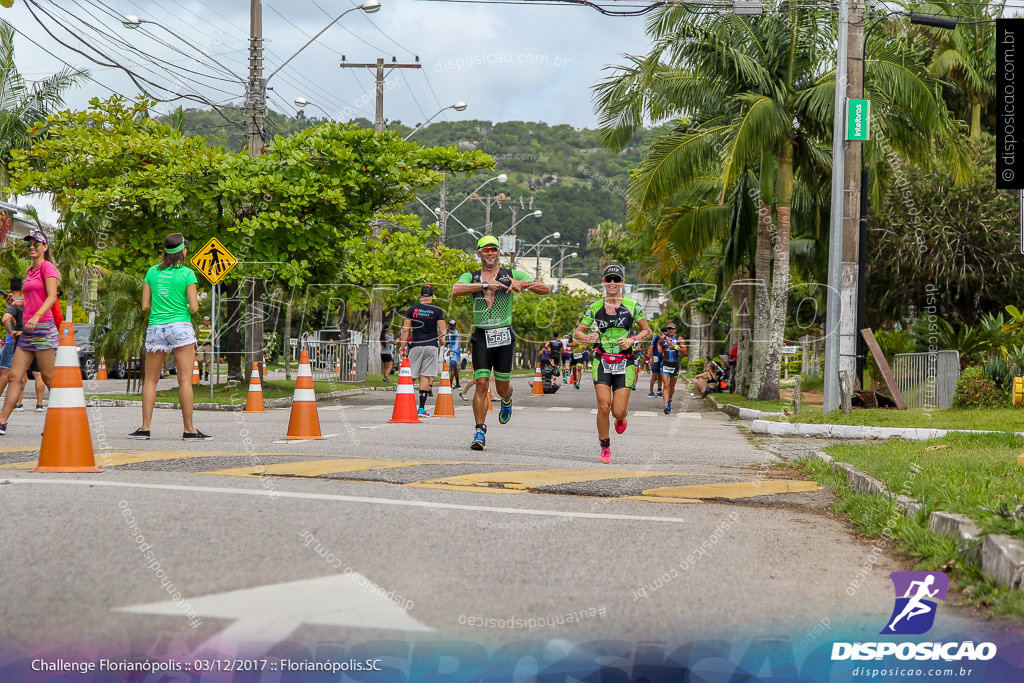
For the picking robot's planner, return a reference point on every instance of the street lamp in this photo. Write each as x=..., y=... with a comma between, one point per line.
x=370, y=6
x=133, y=22
x=458, y=106
x=536, y=214
x=537, y=246
x=301, y=102
x=558, y=287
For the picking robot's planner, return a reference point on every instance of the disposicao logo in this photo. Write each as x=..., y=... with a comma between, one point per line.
x=917, y=595
x=914, y=611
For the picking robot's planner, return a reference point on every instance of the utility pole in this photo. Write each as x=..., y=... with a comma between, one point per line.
x=835, y=242
x=853, y=159
x=442, y=215
x=376, y=305
x=488, y=201
x=256, y=100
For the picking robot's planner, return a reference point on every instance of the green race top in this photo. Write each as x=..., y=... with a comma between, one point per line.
x=498, y=314
x=168, y=293
x=613, y=327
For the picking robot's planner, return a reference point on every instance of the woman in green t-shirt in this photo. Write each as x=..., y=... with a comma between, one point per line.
x=169, y=295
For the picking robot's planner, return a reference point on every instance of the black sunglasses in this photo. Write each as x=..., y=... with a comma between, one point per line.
x=613, y=278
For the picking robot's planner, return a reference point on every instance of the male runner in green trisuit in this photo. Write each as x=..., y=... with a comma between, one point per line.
x=493, y=341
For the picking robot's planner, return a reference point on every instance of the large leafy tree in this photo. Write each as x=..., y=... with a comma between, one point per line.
x=748, y=104
x=23, y=104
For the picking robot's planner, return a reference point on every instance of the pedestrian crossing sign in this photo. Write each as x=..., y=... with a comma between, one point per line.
x=214, y=261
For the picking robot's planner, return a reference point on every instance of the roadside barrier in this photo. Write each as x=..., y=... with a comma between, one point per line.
x=405, y=397
x=67, y=443
x=254, y=402
x=304, y=422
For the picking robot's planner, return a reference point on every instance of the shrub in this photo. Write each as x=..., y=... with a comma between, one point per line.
x=976, y=390
x=999, y=373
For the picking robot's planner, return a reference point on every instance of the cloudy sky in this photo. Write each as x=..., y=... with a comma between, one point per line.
x=508, y=62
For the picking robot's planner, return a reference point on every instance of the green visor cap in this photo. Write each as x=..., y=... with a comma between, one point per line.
x=487, y=241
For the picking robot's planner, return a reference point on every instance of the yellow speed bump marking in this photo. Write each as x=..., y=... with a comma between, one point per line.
x=115, y=458
x=528, y=479
x=316, y=468
x=732, y=490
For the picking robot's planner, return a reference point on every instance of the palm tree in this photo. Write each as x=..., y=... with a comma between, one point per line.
x=966, y=54
x=122, y=318
x=23, y=104
x=757, y=94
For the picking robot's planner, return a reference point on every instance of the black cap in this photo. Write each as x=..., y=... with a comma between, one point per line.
x=426, y=290
x=614, y=269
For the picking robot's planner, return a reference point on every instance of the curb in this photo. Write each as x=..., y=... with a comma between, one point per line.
x=774, y=428
x=285, y=402
x=741, y=413
x=859, y=432
x=999, y=557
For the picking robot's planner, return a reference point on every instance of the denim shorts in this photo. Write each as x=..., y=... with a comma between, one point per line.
x=169, y=337
x=7, y=355
x=42, y=338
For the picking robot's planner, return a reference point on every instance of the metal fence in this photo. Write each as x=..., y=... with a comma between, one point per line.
x=334, y=361
x=927, y=380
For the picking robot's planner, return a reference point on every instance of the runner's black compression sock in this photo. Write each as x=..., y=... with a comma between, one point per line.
x=423, y=400
x=606, y=443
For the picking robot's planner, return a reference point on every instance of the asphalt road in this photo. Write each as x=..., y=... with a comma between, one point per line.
x=248, y=544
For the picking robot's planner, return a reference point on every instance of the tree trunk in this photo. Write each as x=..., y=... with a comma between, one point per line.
x=740, y=291
x=769, y=389
x=762, y=306
x=233, y=334
x=976, y=121
x=287, y=346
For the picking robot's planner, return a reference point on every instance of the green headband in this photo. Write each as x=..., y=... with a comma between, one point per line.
x=175, y=250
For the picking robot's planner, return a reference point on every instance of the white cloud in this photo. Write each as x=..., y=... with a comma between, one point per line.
x=509, y=62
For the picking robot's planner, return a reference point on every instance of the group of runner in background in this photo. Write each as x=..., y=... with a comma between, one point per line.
x=607, y=341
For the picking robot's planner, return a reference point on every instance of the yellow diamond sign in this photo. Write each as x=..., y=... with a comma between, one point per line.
x=214, y=261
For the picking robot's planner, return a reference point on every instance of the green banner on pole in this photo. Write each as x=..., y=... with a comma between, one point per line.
x=858, y=119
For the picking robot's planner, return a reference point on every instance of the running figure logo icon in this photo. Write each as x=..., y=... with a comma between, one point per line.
x=914, y=611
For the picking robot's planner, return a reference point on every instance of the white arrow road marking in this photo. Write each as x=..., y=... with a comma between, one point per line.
x=374, y=408
x=558, y=409
x=268, y=614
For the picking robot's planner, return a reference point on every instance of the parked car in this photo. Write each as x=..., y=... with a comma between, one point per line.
x=86, y=343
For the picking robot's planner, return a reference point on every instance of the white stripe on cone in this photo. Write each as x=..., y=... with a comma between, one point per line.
x=405, y=389
x=304, y=371
x=70, y=397
x=67, y=357
x=255, y=388
x=442, y=390
x=406, y=371
x=304, y=395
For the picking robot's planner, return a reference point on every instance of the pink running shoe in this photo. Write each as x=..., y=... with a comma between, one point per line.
x=606, y=454
x=620, y=426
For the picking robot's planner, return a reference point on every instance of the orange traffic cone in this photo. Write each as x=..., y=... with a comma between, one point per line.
x=538, y=383
x=195, y=372
x=264, y=358
x=444, y=407
x=254, y=403
x=337, y=367
x=405, y=397
x=352, y=364
x=304, y=423
x=67, y=443
x=101, y=374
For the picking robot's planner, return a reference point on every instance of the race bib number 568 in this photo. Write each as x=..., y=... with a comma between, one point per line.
x=499, y=336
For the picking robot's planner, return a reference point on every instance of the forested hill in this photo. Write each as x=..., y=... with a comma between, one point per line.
x=567, y=173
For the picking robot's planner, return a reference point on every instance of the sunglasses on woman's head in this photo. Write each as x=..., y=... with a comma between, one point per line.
x=613, y=278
